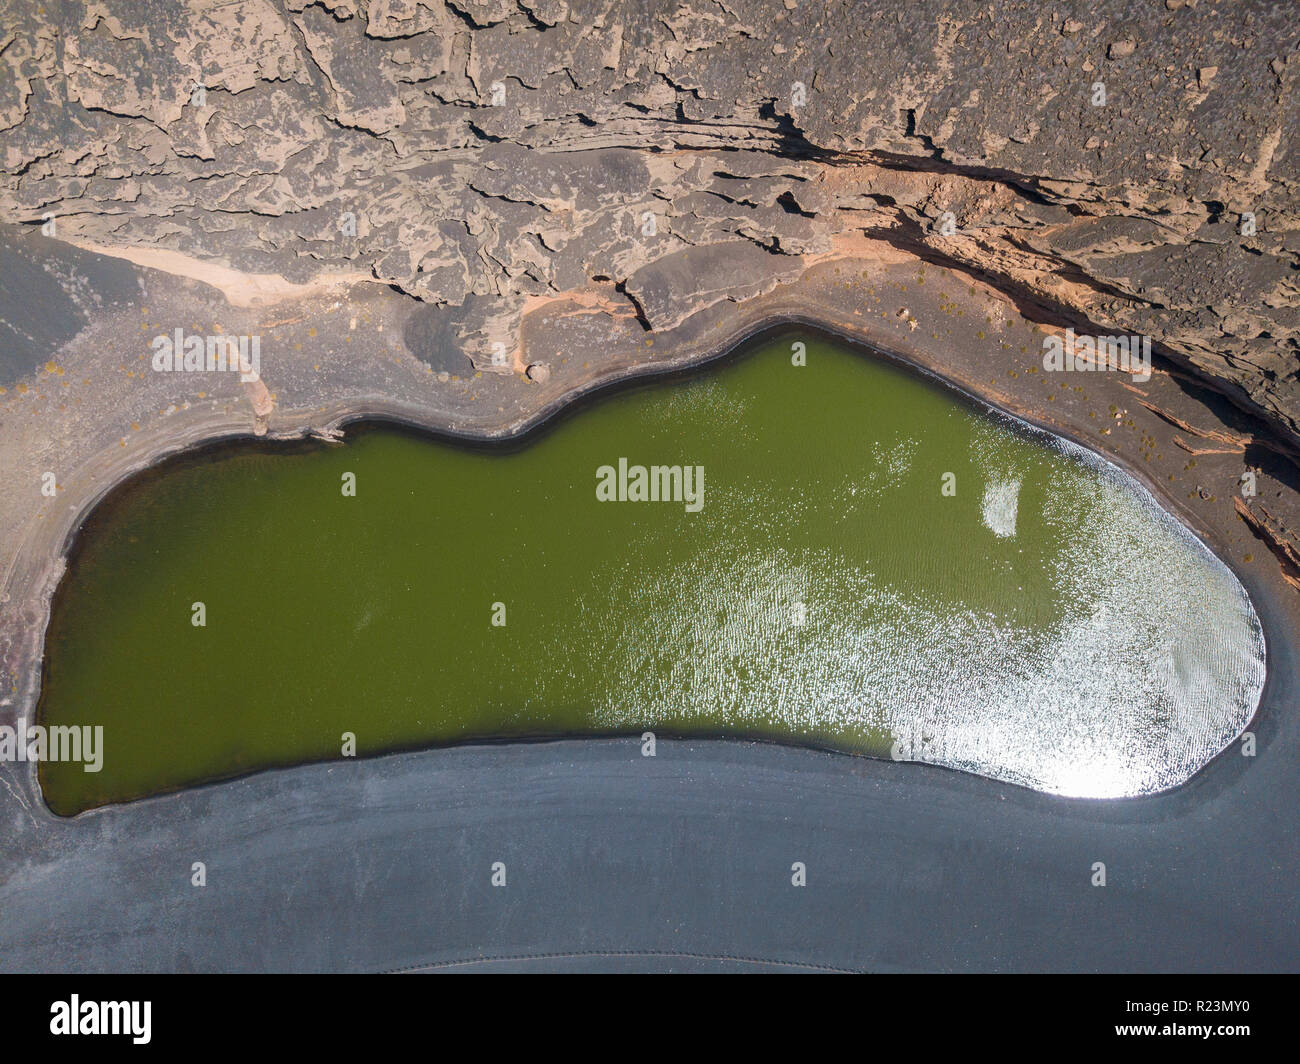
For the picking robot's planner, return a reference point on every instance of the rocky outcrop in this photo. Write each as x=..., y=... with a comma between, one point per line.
x=1128, y=166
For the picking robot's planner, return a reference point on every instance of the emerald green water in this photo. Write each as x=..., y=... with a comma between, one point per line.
x=1046, y=624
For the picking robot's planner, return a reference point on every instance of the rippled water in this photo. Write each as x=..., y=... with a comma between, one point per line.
x=1046, y=623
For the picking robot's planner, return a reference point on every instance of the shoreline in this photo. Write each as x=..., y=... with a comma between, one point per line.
x=525, y=432
x=692, y=348
x=706, y=338
x=528, y=433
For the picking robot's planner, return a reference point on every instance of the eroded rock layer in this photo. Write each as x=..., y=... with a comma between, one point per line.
x=1130, y=167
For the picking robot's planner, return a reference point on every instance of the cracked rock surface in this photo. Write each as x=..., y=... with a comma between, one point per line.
x=1129, y=167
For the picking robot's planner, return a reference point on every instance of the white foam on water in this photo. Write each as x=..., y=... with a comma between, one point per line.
x=1001, y=504
x=1154, y=665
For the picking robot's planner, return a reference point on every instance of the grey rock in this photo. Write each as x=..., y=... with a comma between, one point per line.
x=493, y=151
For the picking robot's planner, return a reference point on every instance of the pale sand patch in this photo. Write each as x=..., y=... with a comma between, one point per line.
x=590, y=299
x=259, y=395
x=854, y=244
x=240, y=289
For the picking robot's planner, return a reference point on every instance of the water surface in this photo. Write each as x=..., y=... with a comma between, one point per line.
x=1046, y=623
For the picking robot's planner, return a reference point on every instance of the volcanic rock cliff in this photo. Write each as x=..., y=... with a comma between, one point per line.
x=1128, y=167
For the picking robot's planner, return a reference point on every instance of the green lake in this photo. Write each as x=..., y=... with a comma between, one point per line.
x=1042, y=621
